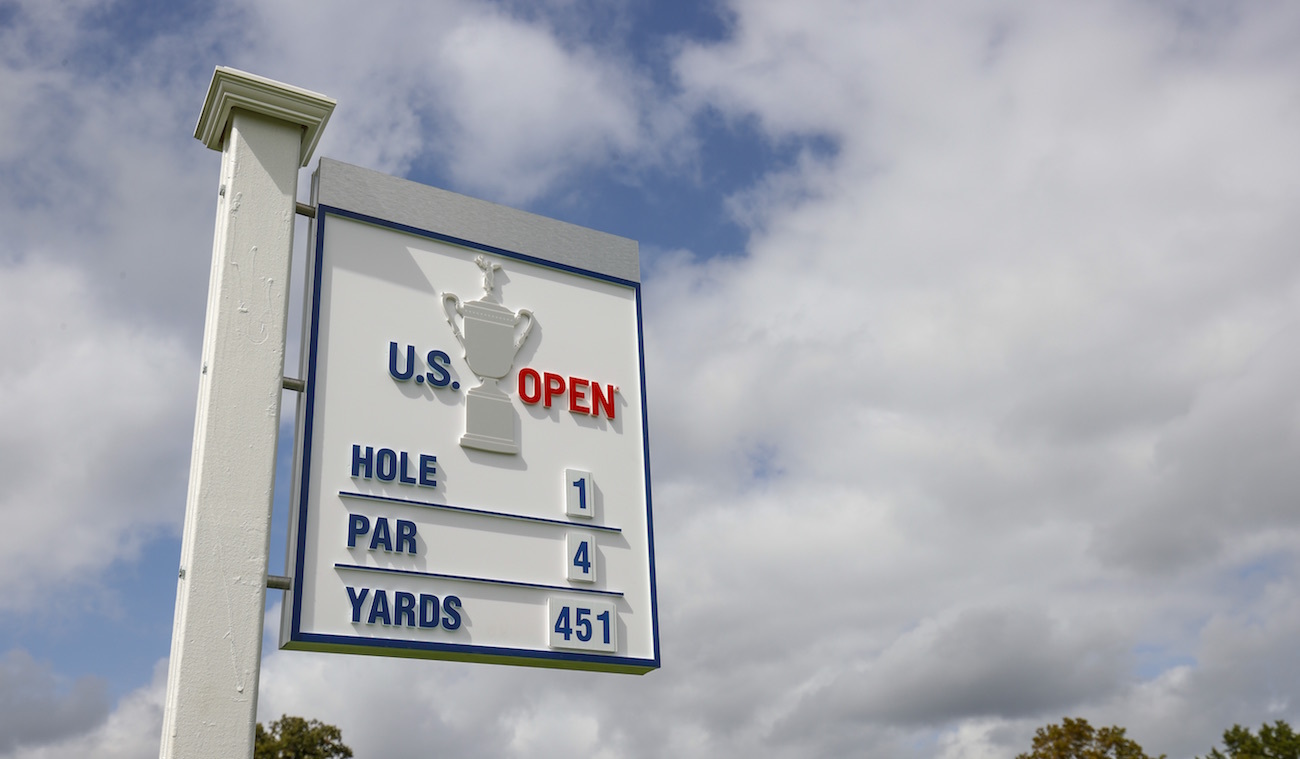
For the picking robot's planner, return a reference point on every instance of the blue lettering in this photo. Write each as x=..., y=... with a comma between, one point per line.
x=451, y=620
x=428, y=610
x=386, y=464
x=438, y=375
x=382, y=538
x=363, y=463
x=405, y=536
x=405, y=478
x=379, y=611
x=357, y=600
x=405, y=613
x=357, y=525
x=581, y=558
x=389, y=465
x=581, y=624
x=392, y=362
x=562, y=625
x=604, y=618
x=407, y=609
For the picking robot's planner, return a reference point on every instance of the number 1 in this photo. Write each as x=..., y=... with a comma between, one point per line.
x=581, y=485
x=580, y=493
x=604, y=617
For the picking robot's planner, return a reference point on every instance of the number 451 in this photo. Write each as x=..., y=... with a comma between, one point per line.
x=590, y=625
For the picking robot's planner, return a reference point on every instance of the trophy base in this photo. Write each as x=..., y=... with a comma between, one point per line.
x=489, y=421
x=491, y=444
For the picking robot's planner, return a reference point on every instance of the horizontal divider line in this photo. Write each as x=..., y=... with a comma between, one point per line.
x=489, y=581
x=480, y=512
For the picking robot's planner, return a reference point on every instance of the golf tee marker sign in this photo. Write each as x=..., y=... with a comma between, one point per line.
x=471, y=476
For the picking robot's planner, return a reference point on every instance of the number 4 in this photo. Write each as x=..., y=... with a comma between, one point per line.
x=562, y=623
x=582, y=556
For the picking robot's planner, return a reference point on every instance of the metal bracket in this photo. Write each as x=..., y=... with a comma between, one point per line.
x=296, y=385
x=279, y=582
x=305, y=210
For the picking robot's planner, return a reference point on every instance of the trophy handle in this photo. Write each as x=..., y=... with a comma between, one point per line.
x=447, y=300
x=522, y=315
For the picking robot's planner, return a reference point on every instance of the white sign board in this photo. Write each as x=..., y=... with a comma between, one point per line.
x=472, y=474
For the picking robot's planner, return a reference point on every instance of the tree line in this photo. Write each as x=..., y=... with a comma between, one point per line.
x=297, y=738
x=1076, y=739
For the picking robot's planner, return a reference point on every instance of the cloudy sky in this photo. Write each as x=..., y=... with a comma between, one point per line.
x=972, y=339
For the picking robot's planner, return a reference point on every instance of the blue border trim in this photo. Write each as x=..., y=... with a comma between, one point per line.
x=309, y=415
x=649, y=512
x=469, y=650
x=485, y=580
x=453, y=650
x=480, y=512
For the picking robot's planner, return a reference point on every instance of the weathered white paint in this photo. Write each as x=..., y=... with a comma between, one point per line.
x=266, y=131
x=232, y=89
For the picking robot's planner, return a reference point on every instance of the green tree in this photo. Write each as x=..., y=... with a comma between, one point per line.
x=1076, y=739
x=1275, y=741
x=297, y=738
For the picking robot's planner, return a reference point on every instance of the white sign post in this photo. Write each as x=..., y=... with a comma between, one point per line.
x=474, y=478
x=266, y=132
x=472, y=473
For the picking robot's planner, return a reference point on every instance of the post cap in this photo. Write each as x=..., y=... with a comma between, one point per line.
x=232, y=89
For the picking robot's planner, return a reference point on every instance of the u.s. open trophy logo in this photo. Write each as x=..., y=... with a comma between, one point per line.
x=490, y=343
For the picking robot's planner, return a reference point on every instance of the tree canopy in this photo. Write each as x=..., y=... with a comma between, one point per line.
x=297, y=738
x=1076, y=739
x=1275, y=741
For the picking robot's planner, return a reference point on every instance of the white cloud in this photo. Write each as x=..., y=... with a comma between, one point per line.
x=106, y=206
x=1030, y=319
x=132, y=731
x=993, y=422
x=508, y=109
x=38, y=708
x=86, y=405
